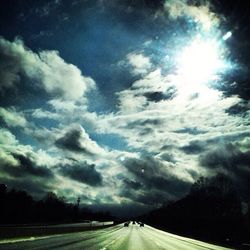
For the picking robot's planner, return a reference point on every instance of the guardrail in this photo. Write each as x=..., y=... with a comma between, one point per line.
x=11, y=231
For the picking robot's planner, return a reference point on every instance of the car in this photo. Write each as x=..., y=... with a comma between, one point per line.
x=141, y=224
x=126, y=224
x=133, y=222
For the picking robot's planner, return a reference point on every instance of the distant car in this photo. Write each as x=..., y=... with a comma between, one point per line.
x=141, y=224
x=133, y=222
x=126, y=224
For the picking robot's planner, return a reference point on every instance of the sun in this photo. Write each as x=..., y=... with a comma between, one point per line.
x=199, y=62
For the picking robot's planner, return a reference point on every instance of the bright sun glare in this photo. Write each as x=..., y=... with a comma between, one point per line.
x=199, y=62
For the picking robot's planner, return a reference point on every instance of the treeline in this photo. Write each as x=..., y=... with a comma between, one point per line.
x=18, y=207
x=212, y=211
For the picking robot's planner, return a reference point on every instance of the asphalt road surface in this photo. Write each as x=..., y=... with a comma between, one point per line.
x=117, y=237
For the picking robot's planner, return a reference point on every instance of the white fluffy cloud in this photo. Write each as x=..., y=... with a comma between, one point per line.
x=139, y=62
x=200, y=14
x=12, y=118
x=46, y=68
x=180, y=125
x=75, y=139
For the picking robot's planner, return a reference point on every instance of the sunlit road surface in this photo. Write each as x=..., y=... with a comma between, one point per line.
x=117, y=237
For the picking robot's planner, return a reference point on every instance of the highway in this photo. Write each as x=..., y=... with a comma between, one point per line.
x=116, y=237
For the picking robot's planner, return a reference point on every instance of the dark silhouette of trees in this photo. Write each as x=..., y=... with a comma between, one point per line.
x=211, y=211
x=18, y=207
x=15, y=206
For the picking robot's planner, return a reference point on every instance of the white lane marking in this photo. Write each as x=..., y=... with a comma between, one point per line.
x=21, y=240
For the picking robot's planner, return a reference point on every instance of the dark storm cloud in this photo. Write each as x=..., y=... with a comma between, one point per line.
x=75, y=139
x=226, y=139
x=27, y=167
x=194, y=147
x=150, y=176
x=200, y=146
x=227, y=156
x=153, y=198
x=144, y=122
x=130, y=184
x=71, y=140
x=237, y=83
x=27, y=174
x=167, y=157
x=9, y=67
x=239, y=108
x=230, y=160
x=191, y=131
x=138, y=192
x=82, y=172
x=161, y=96
x=148, y=171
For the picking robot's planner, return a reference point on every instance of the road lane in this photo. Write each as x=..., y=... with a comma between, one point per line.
x=117, y=237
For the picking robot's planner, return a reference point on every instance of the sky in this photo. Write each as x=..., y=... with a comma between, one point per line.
x=123, y=103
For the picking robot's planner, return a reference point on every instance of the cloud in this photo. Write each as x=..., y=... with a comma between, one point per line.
x=153, y=87
x=229, y=159
x=82, y=172
x=192, y=131
x=65, y=113
x=23, y=159
x=46, y=69
x=149, y=124
x=61, y=78
x=161, y=96
x=243, y=145
x=27, y=167
x=22, y=167
x=241, y=109
x=199, y=13
x=7, y=159
x=139, y=191
x=45, y=114
x=12, y=118
x=167, y=157
x=226, y=156
x=194, y=147
x=75, y=139
x=48, y=8
x=7, y=138
x=140, y=63
x=154, y=198
x=172, y=132
x=152, y=174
